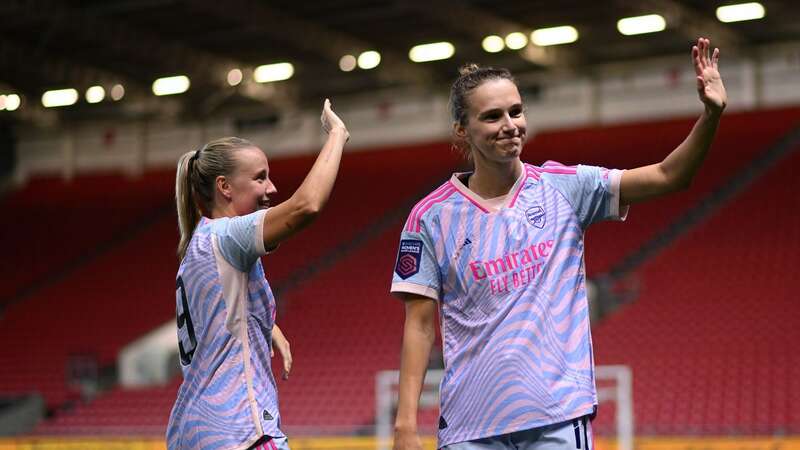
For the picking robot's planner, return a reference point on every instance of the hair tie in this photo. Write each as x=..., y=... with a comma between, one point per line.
x=194, y=158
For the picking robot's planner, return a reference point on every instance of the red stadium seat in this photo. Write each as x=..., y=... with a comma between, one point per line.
x=706, y=350
x=723, y=336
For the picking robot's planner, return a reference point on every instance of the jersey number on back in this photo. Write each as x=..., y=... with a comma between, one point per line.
x=185, y=326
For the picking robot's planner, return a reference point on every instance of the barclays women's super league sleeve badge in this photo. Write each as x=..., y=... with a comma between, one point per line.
x=408, y=258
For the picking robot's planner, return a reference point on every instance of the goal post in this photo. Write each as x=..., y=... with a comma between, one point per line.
x=620, y=392
x=386, y=383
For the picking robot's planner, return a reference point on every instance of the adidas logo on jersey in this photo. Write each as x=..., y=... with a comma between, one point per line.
x=466, y=242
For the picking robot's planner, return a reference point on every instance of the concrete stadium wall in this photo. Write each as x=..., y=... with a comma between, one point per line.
x=612, y=93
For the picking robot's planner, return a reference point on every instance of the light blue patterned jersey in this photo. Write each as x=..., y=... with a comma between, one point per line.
x=225, y=312
x=511, y=285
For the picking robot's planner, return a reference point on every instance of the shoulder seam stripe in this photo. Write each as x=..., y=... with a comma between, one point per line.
x=444, y=195
x=422, y=207
x=565, y=170
x=551, y=163
x=532, y=171
x=422, y=202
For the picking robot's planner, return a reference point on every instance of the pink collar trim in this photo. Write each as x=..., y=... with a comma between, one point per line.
x=480, y=202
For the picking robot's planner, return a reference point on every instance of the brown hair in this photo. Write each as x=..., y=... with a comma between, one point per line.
x=470, y=77
x=195, y=182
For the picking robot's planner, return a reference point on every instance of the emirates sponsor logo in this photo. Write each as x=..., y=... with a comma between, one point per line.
x=514, y=269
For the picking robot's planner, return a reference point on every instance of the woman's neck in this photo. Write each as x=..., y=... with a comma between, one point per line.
x=222, y=211
x=492, y=179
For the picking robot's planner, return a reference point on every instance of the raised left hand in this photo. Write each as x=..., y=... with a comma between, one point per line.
x=709, y=82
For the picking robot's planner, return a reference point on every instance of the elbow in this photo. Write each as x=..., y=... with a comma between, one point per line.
x=306, y=209
x=681, y=185
x=423, y=328
x=310, y=211
x=674, y=182
x=428, y=330
x=306, y=214
x=432, y=337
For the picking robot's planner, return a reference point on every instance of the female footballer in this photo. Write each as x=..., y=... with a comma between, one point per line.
x=225, y=308
x=499, y=252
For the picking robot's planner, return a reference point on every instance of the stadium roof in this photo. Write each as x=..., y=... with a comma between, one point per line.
x=49, y=44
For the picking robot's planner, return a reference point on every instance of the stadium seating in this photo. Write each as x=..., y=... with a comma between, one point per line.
x=741, y=137
x=100, y=307
x=119, y=412
x=708, y=339
x=101, y=298
x=342, y=332
x=344, y=326
x=370, y=185
x=67, y=220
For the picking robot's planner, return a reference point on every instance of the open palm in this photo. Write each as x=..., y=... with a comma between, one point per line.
x=709, y=82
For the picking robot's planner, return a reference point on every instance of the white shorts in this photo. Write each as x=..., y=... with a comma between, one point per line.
x=573, y=434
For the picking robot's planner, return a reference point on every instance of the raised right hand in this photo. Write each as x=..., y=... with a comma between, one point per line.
x=709, y=82
x=330, y=120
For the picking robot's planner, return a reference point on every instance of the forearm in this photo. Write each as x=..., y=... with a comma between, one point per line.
x=277, y=334
x=676, y=171
x=417, y=343
x=291, y=216
x=681, y=165
x=316, y=188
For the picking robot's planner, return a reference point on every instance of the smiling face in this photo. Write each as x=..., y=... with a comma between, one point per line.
x=250, y=186
x=495, y=126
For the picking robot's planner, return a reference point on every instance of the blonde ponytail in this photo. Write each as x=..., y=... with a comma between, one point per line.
x=195, y=183
x=188, y=213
